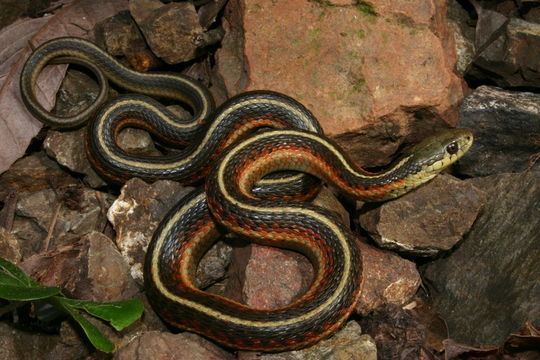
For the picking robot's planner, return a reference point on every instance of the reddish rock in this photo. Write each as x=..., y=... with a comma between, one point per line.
x=274, y=277
x=387, y=279
x=341, y=62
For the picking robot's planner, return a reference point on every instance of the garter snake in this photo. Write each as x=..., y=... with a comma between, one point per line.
x=189, y=230
x=272, y=215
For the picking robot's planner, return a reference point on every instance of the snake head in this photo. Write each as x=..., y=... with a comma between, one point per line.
x=437, y=152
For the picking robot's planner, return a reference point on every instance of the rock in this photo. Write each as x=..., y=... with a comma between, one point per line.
x=213, y=265
x=91, y=269
x=347, y=343
x=506, y=127
x=17, y=9
x=431, y=219
x=464, y=34
x=230, y=62
x=18, y=344
x=137, y=212
x=400, y=334
x=270, y=277
x=275, y=277
x=163, y=345
x=121, y=37
x=488, y=287
x=209, y=12
x=9, y=246
x=65, y=147
x=77, y=92
x=333, y=62
x=29, y=236
x=507, y=49
x=172, y=30
x=75, y=211
x=33, y=173
x=387, y=279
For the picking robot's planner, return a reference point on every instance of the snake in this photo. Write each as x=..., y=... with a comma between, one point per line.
x=259, y=155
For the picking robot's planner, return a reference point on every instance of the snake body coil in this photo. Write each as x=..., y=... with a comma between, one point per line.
x=241, y=193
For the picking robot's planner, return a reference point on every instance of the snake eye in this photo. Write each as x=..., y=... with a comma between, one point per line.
x=452, y=148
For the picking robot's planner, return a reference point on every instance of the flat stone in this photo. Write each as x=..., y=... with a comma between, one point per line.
x=506, y=127
x=431, y=219
x=488, y=287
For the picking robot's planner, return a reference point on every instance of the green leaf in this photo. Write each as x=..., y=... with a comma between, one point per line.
x=12, y=275
x=96, y=337
x=120, y=313
x=22, y=293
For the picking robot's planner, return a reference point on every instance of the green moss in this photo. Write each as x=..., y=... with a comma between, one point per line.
x=361, y=34
x=324, y=3
x=366, y=8
x=315, y=38
x=358, y=84
x=353, y=55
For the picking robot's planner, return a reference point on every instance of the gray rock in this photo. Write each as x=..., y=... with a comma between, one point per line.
x=431, y=219
x=488, y=287
x=506, y=127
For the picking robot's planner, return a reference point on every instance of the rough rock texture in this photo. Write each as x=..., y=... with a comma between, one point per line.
x=464, y=33
x=137, y=212
x=507, y=49
x=333, y=62
x=171, y=30
x=402, y=334
x=387, y=279
x=488, y=287
x=33, y=173
x=431, y=219
x=121, y=37
x=9, y=246
x=18, y=344
x=73, y=211
x=156, y=345
x=506, y=127
x=347, y=343
x=91, y=269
